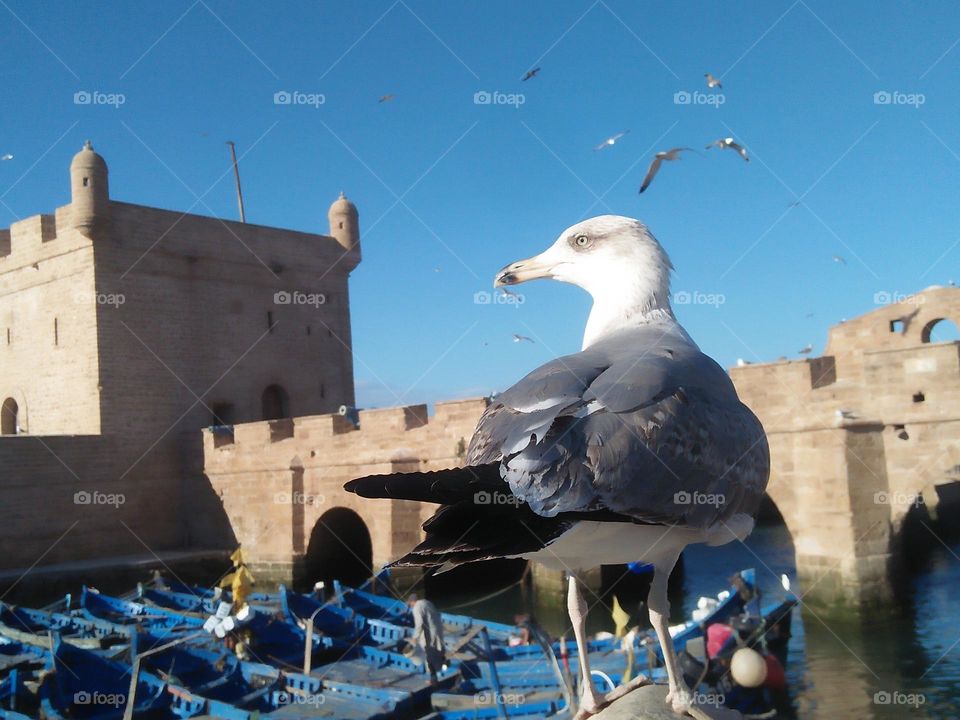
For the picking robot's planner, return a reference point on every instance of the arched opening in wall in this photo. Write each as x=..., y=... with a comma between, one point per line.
x=275, y=403
x=339, y=548
x=9, y=422
x=940, y=330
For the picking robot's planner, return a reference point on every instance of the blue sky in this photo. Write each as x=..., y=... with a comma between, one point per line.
x=481, y=185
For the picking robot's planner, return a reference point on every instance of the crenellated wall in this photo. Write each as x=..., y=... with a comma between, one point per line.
x=276, y=479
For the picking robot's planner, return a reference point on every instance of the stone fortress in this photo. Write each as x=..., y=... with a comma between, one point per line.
x=172, y=381
x=126, y=329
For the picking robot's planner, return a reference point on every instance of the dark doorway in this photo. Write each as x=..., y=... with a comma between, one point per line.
x=339, y=548
x=8, y=417
x=275, y=403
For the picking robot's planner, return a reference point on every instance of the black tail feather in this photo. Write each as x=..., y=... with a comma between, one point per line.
x=444, y=487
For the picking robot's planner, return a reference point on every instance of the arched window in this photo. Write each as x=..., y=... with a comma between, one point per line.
x=275, y=403
x=940, y=330
x=8, y=417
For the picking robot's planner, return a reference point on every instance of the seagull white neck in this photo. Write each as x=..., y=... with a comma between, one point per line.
x=619, y=305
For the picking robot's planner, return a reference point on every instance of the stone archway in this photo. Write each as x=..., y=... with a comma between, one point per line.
x=940, y=330
x=339, y=548
x=9, y=417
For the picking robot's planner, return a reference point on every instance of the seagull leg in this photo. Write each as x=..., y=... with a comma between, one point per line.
x=590, y=700
x=679, y=696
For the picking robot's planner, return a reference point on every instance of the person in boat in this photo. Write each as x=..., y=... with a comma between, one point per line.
x=428, y=634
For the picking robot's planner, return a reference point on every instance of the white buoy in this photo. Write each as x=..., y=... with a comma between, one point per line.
x=748, y=668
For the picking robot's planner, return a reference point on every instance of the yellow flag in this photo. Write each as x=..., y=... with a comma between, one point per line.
x=621, y=619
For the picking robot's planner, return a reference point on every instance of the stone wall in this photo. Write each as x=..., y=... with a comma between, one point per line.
x=276, y=479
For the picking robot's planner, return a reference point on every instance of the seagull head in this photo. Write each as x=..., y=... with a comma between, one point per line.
x=614, y=258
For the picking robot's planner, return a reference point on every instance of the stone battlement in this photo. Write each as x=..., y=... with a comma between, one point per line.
x=26, y=239
x=374, y=424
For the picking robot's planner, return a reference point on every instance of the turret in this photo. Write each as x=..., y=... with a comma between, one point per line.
x=345, y=224
x=90, y=192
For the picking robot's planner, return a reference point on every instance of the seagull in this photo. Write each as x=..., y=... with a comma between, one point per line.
x=530, y=74
x=732, y=144
x=846, y=415
x=8, y=156
x=629, y=450
x=712, y=82
x=672, y=154
x=610, y=141
x=386, y=98
x=838, y=259
x=905, y=320
x=521, y=338
x=806, y=349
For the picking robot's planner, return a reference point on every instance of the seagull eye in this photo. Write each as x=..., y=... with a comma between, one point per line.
x=581, y=240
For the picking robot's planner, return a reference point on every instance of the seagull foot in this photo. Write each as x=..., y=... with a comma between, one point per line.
x=593, y=704
x=680, y=700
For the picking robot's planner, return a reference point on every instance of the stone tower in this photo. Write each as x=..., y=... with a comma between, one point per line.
x=90, y=192
x=345, y=224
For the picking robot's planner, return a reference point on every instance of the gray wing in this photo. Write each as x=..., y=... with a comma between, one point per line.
x=654, y=167
x=640, y=425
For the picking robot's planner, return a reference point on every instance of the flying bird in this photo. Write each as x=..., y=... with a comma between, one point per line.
x=386, y=98
x=838, y=259
x=530, y=74
x=906, y=320
x=627, y=451
x=8, y=156
x=806, y=349
x=521, y=338
x=672, y=154
x=712, y=82
x=732, y=144
x=612, y=140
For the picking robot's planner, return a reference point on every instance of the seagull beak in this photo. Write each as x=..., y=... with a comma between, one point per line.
x=530, y=269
